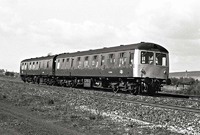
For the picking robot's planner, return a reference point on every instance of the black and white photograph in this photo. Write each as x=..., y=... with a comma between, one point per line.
x=100, y=67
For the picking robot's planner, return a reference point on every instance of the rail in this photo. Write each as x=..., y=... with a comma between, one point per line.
x=174, y=107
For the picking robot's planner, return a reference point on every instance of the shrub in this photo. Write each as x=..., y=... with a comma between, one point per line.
x=174, y=81
x=193, y=89
x=183, y=81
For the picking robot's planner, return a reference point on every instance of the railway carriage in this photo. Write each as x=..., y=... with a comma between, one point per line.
x=142, y=67
x=40, y=69
x=137, y=68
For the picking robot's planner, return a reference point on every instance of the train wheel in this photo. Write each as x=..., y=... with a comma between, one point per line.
x=156, y=87
x=135, y=90
x=38, y=80
x=145, y=88
x=73, y=84
x=35, y=79
x=115, y=89
x=151, y=90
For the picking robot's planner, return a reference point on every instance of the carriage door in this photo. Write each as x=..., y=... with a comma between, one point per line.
x=54, y=65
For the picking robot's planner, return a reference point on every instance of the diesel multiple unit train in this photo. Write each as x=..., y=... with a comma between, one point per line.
x=138, y=68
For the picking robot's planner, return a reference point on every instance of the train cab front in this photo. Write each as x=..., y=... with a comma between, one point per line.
x=151, y=66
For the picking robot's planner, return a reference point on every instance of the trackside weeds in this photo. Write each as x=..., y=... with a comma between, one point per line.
x=90, y=115
x=123, y=119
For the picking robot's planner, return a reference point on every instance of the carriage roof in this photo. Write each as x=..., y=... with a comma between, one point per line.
x=39, y=58
x=140, y=46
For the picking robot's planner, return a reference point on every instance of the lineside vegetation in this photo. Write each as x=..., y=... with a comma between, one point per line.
x=188, y=86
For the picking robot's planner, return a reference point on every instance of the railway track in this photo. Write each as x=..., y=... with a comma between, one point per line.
x=172, y=95
x=160, y=94
x=161, y=105
x=174, y=107
x=165, y=94
x=164, y=106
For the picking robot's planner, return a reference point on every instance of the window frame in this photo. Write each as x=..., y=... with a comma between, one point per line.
x=148, y=61
x=111, y=59
x=166, y=59
x=103, y=60
x=86, y=62
x=95, y=62
x=122, y=59
x=79, y=62
x=48, y=64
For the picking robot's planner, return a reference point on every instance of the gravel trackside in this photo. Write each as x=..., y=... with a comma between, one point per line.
x=40, y=109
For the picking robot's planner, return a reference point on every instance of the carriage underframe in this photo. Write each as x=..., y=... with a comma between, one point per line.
x=133, y=85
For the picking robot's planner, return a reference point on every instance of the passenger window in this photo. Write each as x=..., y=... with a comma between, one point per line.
x=95, y=61
x=66, y=65
x=86, y=62
x=23, y=66
x=79, y=62
x=63, y=64
x=47, y=64
x=58, y=64
x=26, y=66
x=111, y=59
x=131, y=58
x=147, y=57
x=30, y=66
x=122, y=59
x=36, y=65
x=102, y=60
x=161, y=59
x=33, y=66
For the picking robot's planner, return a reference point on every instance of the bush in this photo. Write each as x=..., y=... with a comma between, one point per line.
x=193, y=89
x=183, y=81
x=174, y=81
x=12, y=74
x=190, y=85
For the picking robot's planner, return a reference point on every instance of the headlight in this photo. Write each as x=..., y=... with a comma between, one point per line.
x=165, y=72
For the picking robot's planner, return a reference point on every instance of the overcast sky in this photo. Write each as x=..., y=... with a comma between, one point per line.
x=32, y=28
